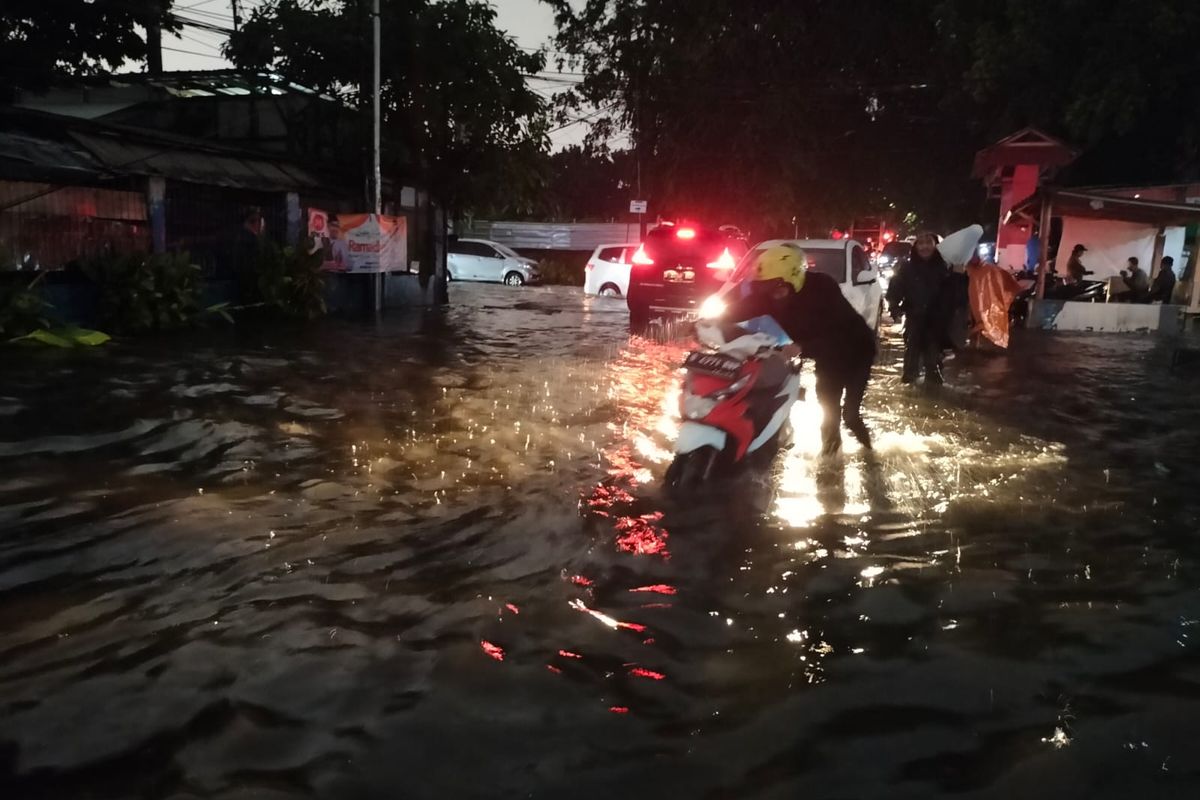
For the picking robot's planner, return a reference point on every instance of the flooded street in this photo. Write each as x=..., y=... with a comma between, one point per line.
x=430, y=558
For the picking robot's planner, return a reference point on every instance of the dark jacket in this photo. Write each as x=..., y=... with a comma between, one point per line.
x=819, y=319
x=918, y=286
x=1164, y=285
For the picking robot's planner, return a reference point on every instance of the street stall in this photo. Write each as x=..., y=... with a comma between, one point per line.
x=1114, y=227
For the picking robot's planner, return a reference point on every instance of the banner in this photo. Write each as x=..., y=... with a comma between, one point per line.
x=360, y=242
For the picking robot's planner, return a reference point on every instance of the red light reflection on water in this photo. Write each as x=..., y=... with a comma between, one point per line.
x=619, y=709
x=512, y=608
x=495, y=651
x=658, y=588
x=642, y=535
x=579, y=580
x=633, y=626
x=554, y=669
x=642, y=672
x=569, y=654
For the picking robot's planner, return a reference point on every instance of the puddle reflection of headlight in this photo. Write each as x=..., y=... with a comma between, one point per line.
x=696, y=407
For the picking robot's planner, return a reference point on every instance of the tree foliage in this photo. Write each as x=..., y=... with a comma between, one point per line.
x=755, y=110
x=456, y=108
x=43, y=41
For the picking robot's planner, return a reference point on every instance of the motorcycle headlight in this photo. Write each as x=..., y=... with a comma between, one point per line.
x=733, y=388
x=693, y=406
x=712, y=308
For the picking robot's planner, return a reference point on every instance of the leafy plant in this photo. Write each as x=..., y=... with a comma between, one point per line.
x=556, y=272
x=22, y=309
x=23, y=319
x=140, y=293
x=290, y=280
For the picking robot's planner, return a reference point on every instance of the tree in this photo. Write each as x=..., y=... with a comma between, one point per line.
x=43, y=41
x=755, y=111
x=456, y=108
x=1119, y=79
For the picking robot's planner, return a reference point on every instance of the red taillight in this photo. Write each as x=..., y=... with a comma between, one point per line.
x=724, y=261
x=686, y=233
x=888, y=236
x=836, y=235
x=641, y=258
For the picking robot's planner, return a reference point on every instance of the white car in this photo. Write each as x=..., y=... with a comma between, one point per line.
x=481, y=260
x=846, y=261
x=607, y=271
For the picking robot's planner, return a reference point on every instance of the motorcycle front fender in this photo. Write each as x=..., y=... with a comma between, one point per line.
x=694, y=435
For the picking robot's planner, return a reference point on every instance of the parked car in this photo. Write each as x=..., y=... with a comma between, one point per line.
x=607, y=271
x=847, y=262
x=677, y=267
x=481, y=260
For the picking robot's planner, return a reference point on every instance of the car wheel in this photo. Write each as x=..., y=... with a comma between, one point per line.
x=609, y=290
x=514, y=279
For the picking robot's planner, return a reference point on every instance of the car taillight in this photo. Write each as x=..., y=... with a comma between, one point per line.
x=686, y=233
x=589, y=266
x=724, y=261
x=640, y=257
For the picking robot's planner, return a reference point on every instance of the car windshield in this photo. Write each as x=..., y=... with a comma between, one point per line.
x=829, y=262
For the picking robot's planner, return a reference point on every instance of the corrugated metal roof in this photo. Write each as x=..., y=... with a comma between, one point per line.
x=28, y=156
x=177, y=162
x=581, y=236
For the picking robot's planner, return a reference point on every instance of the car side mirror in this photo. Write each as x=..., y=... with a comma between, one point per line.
x=866, y=277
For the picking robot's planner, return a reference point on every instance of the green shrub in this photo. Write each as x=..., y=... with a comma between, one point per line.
x=142, y=293
x=290, y=281
x=22, y=309
x=557, y=272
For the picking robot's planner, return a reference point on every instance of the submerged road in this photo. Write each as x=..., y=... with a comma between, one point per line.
x=429, y=558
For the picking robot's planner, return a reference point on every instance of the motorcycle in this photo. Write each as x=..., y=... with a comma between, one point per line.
x=1056, y=289
x=737, y=396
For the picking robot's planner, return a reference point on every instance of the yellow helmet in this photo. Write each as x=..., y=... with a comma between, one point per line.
x=783, y=262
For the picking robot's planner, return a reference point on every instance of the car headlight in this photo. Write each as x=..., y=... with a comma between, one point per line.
x=712, y=307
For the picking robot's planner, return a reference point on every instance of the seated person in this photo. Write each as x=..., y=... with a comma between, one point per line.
x=1164, y=282
x=1136, y=283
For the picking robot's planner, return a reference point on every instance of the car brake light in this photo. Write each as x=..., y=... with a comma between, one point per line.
x=589, y=266
x=641, y=258
x=724, y=261
x=686, y=233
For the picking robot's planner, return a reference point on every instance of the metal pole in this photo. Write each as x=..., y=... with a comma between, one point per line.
x=1044, y=242
x=375, y=149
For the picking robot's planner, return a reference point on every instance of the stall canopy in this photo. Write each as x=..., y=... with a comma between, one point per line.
x=1112, y=226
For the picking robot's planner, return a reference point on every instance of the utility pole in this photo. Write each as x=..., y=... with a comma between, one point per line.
x=378, y=180
x=235, y=7
x=154, y=63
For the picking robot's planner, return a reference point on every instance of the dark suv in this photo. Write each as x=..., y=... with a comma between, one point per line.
x=677, y=267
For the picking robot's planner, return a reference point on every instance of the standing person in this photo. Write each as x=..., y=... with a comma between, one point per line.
x=813, y=312
x=1164, y=282
x=1137, y=285
x=1076, y=271
x=917, y=291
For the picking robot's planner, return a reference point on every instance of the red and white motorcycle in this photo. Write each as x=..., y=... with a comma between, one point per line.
x=737, y=397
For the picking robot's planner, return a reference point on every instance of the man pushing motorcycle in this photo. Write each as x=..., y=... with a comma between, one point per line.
x=823, y=326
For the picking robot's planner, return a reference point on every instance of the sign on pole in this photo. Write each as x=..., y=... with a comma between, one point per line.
x=637, y=206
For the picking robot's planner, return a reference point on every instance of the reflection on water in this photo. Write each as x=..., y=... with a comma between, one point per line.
x=430, y=559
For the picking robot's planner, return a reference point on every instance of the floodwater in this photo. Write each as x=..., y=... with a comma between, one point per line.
x=429, y=558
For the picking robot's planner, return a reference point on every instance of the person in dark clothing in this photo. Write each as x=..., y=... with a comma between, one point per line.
x=1137, y=285
x=1164, y=282
x=1076, y=271
x=918, y=291
x=245, y=252
x=812, y=310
